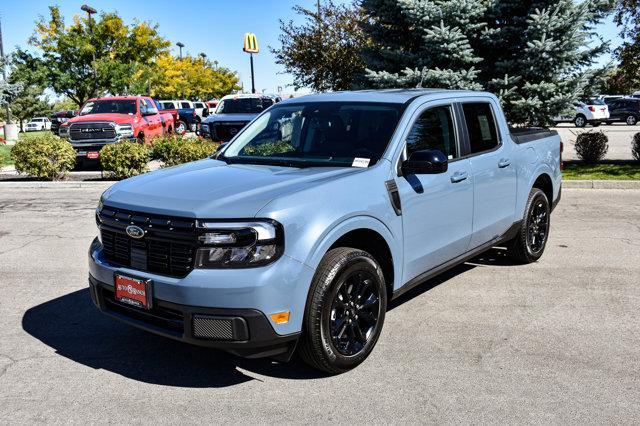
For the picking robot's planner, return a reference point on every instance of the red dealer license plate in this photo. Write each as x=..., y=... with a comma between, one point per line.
x=133, y=291
x=92, y=155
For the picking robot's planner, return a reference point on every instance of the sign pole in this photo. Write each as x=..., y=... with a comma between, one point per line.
x=253, y=78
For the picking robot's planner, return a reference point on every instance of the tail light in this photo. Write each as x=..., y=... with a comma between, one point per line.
x=561, y=150
x=592, y=108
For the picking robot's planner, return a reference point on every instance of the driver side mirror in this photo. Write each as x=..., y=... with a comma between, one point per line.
x=428, y=161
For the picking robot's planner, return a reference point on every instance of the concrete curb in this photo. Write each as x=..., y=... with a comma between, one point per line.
x=601, y=184
x=56, y=185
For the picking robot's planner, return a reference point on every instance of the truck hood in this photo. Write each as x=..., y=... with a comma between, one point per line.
x=117, y=118
x=230, y=117
x=212, y=189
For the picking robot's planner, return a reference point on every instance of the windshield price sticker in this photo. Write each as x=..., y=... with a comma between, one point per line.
x=360, y=162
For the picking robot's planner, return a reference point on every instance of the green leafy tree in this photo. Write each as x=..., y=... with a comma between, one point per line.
x=535, y=55
x=323, y=53
x=67, y=60
x=624, y=78
x=29, y=100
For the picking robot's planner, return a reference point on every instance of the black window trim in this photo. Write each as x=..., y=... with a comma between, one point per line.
x=457, y=125
x=468, y=153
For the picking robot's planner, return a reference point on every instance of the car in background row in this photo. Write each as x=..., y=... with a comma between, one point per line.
x=587, y=111
x=626, y=110
x=59, y=117
x=188, y=118
x=233, y=113
x=107, y=120
x=37, y=124
x=212, y=104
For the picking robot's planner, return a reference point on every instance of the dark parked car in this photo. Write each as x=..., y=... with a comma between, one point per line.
x=59, y=117
x=624, y=110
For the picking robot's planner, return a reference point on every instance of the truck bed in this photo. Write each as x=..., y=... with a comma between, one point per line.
x=530, y=134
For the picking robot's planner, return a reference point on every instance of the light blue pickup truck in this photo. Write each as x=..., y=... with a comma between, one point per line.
x=301, y=230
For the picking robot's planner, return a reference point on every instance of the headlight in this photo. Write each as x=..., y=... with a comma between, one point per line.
x=63, y=131
x=238, y=244
x=124, y=130
x=204, y=127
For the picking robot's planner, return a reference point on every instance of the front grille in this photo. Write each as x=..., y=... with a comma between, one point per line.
x=167, y=248
x=92, y=131
x=224, y=132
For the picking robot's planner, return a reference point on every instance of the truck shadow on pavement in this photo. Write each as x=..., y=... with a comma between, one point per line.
x=72, y=326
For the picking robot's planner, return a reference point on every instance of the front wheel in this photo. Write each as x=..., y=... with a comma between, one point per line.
x=345, y=311
x=531, y=240
x=631, y=120
x=580, y=121
x=181, y=128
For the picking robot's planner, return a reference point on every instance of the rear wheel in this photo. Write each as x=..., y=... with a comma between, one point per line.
x=529, y=244
x=596, y=123
x=345, y=311
x=580, y=121
x=631, y=120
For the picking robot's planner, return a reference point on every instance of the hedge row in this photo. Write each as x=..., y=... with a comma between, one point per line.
x=46, y=156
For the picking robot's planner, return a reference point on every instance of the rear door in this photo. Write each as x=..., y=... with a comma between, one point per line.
x=436, y=208
x=494, y=175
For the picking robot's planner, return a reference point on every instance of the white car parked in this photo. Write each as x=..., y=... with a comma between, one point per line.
x=588, y=111
x=37, y=124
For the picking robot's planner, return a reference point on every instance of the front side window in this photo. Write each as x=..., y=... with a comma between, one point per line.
x=185, y=105
x=434, y=129
x=317, y=134
x=111, y=106
x=481, y=125
x=168, y=105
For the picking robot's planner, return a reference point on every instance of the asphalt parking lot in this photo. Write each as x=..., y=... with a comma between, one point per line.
x=553, y=342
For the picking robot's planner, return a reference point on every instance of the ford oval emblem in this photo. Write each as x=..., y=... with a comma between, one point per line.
x=135, y=231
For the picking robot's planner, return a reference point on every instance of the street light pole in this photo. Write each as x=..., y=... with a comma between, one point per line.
x=180, y=45
x=90, y=11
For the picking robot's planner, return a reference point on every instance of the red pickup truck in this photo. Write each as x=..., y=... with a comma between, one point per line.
x=112, y=119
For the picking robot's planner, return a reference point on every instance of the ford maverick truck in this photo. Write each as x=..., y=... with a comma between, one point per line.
x=304, y=227
x=102, y=121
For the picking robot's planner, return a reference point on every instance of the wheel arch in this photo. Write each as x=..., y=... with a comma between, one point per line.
x=368, y=234
x=544, y=182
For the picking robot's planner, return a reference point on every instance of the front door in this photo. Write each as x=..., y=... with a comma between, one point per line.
x=494, y=175
x=437, y=209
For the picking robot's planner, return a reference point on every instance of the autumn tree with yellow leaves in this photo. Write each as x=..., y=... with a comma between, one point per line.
x=106, y=56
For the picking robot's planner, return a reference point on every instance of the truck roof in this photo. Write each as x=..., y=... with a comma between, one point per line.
x=399, y=96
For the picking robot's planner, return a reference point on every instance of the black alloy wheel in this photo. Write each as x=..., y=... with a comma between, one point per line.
x=538, y=226
x=354, y=312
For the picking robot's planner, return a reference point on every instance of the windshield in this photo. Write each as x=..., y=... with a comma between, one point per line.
x=109, y=106
x=244, y=105
x=317, y=134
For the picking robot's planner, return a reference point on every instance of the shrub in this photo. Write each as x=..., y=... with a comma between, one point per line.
x=174, y=150
x=125, y=159
x=44, y=156
x=635, y=146
x=592, y=146
x=268, y=148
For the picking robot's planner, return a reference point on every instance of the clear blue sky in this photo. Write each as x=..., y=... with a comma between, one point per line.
x=215, y=27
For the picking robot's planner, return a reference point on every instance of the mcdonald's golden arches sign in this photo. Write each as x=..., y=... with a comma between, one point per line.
x=251, y=43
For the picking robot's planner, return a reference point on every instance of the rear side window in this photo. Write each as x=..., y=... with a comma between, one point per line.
x=481, y=125
x=434, y=129
x=185, y=105
x=199, y=105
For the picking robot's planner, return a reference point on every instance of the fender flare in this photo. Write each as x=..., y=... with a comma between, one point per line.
x=342, y=227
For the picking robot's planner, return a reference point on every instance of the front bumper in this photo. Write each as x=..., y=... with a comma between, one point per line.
x=250, y=295
x=82, y=148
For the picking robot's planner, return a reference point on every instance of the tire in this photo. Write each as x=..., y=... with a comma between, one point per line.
x=335, y=323
x=140, y=138
x=631, y=120
x=596, y=124
x=580, y=121
x=181, y=128
x=524, y=248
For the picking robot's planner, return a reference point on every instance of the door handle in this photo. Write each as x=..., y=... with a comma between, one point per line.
x=459, y=177
x=504, y=162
